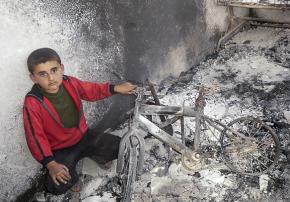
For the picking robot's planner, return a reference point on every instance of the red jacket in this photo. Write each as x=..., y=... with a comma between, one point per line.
x=43, y=128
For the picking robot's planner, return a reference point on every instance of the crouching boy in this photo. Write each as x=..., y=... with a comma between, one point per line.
x=55, y=126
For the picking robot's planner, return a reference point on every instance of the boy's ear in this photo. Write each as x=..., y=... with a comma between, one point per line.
x=32, y=77
x=62, y=68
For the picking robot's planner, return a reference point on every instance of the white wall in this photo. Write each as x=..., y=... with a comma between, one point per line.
x=217, y=16
x=27, y=25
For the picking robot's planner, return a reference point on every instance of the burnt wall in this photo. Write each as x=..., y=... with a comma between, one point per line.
x=98, y=41
x=155, y=29
x=164, y=38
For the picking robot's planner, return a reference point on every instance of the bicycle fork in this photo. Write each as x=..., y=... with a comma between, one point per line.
x=131, y=140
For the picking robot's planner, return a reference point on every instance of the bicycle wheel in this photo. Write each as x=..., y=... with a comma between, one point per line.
x=249, y=146
x=129, y=171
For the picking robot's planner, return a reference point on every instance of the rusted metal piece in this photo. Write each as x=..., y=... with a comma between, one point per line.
x=200, y=100
x=230, y=34
x=199, y=107
x=182, y=130
x=197, y=132
x=168, y=128
x=153, y=92
x=231, y=18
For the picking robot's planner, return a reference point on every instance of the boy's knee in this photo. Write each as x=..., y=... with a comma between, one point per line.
x=110, y=140
x=117, y=139
x=115, y=142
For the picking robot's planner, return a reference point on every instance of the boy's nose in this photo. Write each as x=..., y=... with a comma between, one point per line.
x=50, y=77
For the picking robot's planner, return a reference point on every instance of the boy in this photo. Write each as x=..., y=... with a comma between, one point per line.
x=55, y=126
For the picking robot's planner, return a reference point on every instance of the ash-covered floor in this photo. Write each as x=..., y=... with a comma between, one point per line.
x=253, y=75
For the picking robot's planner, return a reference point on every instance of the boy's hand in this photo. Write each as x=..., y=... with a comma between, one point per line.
x=125, y=88
x=58, y=172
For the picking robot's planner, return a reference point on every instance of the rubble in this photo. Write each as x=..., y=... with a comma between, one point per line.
x=253, y=75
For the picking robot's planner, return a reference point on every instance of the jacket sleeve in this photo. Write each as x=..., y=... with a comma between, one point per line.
x=36, y=138
x=91, y=91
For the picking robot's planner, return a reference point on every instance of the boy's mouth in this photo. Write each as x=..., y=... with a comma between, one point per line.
x=52, y=84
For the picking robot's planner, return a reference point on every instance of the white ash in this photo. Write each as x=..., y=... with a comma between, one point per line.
x=251, y=82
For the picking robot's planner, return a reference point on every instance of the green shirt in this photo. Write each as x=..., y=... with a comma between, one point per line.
x=64, y=106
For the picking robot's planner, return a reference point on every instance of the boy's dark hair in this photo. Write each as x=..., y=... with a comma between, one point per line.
x=41, y=55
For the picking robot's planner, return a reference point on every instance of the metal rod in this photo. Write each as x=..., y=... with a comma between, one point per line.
x=262, y=20
x=231, y=18
x=197, y=133
x=169, y=121
x=271, y=25
x=165, y=137
x=273, y=6
x=153, y=92
x=155, y=97
x=229, y=35
x=166, y=110
x=182, y=129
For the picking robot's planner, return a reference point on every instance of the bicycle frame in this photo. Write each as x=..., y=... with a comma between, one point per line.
x=141, y=123
x=133, y=140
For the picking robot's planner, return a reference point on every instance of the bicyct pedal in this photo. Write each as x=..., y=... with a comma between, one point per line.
x=195, y=163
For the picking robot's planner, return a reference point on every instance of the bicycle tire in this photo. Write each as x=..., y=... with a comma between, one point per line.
x=257, y=140
x=129, y=173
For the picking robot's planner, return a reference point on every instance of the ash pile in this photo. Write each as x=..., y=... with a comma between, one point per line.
x=253, y=75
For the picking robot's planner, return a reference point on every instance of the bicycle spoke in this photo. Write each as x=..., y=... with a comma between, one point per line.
x=229, y=142
x=258, y=130
x=251, y=128
x=257, y=165
x=213, y=132
x=264, y=143
x=258, y=160
x=264, y=137
x=267, y=158
x=252, y=149
x=269, y=152
x=252, y=166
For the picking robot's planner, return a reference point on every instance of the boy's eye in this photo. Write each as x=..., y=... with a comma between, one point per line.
x=42, y=74
x=54, y=70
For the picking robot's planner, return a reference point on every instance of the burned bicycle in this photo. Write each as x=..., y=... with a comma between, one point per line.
x=248, y=145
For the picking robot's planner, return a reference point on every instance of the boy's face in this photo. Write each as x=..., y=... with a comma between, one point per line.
x=48, y=75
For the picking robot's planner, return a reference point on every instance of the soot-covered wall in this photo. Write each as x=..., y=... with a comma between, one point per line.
x=82, y=33
x=102, y=41
x=164, y=38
